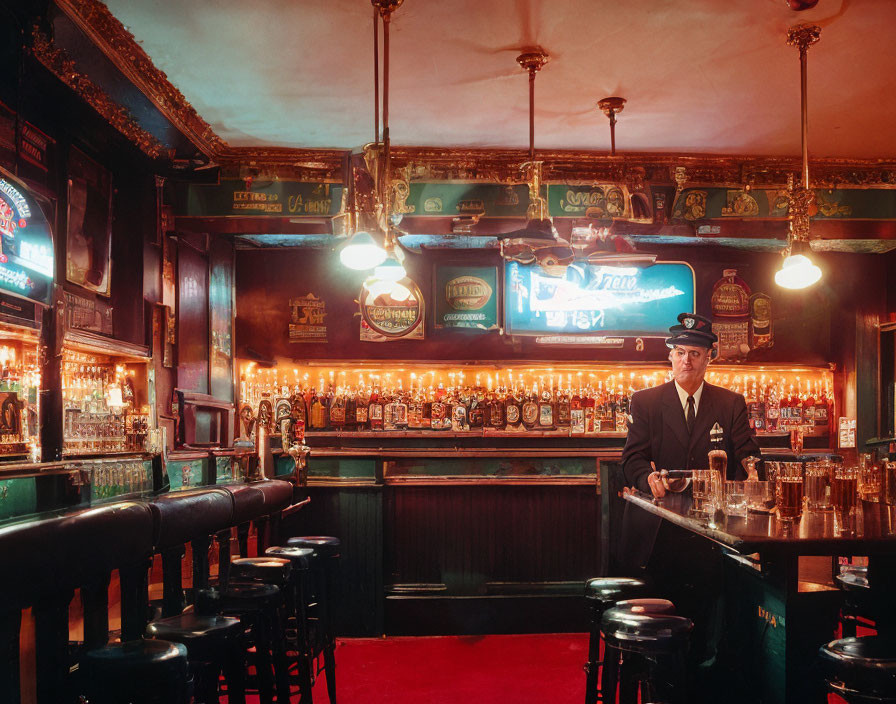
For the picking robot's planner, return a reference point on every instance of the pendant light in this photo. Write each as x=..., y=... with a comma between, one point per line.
x=798, y=271
x=362, y=251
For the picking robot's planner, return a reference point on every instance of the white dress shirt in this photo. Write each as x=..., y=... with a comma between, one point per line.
x=683, y=396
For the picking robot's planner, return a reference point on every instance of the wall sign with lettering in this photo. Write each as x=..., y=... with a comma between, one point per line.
x=88, y=314
x=267, y=198
x=614, y=301
x=391, y=311
x=466, y=297
x=307, y=319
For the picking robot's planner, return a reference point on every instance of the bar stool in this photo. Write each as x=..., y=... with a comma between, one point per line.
x=861, y=670
x=136, y=672
x=324, y=573
x=275, y=572
x=858, y=606
x=652, y=643
x=213, y=643
x=297, y=610
x=601, y=593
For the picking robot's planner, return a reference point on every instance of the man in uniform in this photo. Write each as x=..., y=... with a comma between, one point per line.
x=669, y=430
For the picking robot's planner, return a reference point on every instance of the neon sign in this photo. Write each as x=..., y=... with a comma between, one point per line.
x=26, y=243
x=592, y=298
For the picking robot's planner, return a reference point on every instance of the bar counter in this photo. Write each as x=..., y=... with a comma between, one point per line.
x=781, y=603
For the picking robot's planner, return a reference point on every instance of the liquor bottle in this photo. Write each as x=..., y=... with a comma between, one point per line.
x=576, y=414
x=415, y=411
x=730, y=304
x=458, y=410
x=796, y=407
x=265, y=412
x=496, y=412
x=427, y=410
x=439, y=419
x=375, y=411
x=563, y=410
x=822, y=410
x=362, y=409
x=299, y=411
x=351, y=410
x=772, y=409
x=513, y=412
x=590, y=412
x=718, y=458
x=389, y=412
x=530, y=410
x=338, y=412
x=620, y=412
x=546, y=411
x=809, y=407
x=755, y=409
x=477, y=412
x=400, y=412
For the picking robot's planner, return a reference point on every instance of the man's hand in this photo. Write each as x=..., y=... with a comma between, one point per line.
x=657, y=485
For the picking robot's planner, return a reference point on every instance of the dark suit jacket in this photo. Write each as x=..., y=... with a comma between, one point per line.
x=658, y=433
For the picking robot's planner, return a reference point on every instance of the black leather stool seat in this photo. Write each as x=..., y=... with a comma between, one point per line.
x=300, y=557
x=609, y=590
x=266, y=570
x=861, y=666
x=137, y=671
x=650, y=607
x=638, y=629
x=323, y=545
x=189, y=626
x=250, y=597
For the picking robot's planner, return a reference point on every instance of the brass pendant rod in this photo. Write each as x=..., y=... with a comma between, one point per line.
x=384, y=180
x=532, y=115
x=376, y=75
x=612, y=134
x=804, y=114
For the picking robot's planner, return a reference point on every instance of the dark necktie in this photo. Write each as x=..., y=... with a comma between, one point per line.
x=691, y=415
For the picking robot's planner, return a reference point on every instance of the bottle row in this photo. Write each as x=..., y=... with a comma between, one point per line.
x=772, y=407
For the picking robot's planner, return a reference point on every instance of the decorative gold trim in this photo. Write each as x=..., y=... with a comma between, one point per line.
x=58, y=62
x=118, y=44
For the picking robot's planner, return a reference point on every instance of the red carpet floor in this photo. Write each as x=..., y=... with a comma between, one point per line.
x=522, y=669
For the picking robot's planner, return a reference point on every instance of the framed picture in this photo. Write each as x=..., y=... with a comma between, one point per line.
x=89, y=235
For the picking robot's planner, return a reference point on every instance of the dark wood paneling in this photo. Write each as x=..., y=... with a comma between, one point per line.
x=192, y=319
x=806, y=323
x=472, y=537
x=355, y=516
x=220, y=303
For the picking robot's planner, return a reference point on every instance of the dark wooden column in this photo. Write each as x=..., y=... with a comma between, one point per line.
x=51, y=334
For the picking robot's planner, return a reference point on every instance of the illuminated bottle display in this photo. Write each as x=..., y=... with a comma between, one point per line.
x=576, y=401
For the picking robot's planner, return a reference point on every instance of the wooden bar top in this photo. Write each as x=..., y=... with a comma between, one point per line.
x=871, y=530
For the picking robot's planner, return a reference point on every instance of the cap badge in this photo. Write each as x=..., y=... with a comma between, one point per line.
x=689, y=323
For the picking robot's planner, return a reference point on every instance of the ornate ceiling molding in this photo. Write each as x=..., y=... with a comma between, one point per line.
x=118, y=44
x=58, y=62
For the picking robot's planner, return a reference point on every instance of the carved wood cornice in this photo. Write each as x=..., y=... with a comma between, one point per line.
x=58, y=62
x=118, y=44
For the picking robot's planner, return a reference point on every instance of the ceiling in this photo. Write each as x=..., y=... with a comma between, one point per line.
x=700, y=76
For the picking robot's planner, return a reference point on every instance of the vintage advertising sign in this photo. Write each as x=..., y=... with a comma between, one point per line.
x=266, y=198
x=307, y=319
x=391, y=311
x=26, y=243
x=88, y=314
x=613, y=301
x=466, y=297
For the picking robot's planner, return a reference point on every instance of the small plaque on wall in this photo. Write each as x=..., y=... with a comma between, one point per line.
x=87, y=314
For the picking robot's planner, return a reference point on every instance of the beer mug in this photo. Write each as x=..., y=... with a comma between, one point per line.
x=871, y=484
x=789, y=490
x=817, y=485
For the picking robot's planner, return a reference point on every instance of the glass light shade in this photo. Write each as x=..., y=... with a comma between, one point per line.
x=400, y=292
x=362, y=252
x=390, y=270
x=797, y=272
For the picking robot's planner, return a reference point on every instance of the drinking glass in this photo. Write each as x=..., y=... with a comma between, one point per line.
x=789, y=490
x=760, y=496
x=818, y=485
x=870, y=479
x=705, y=489
x=889, y=472
x=844, y=490
x=735, y=498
